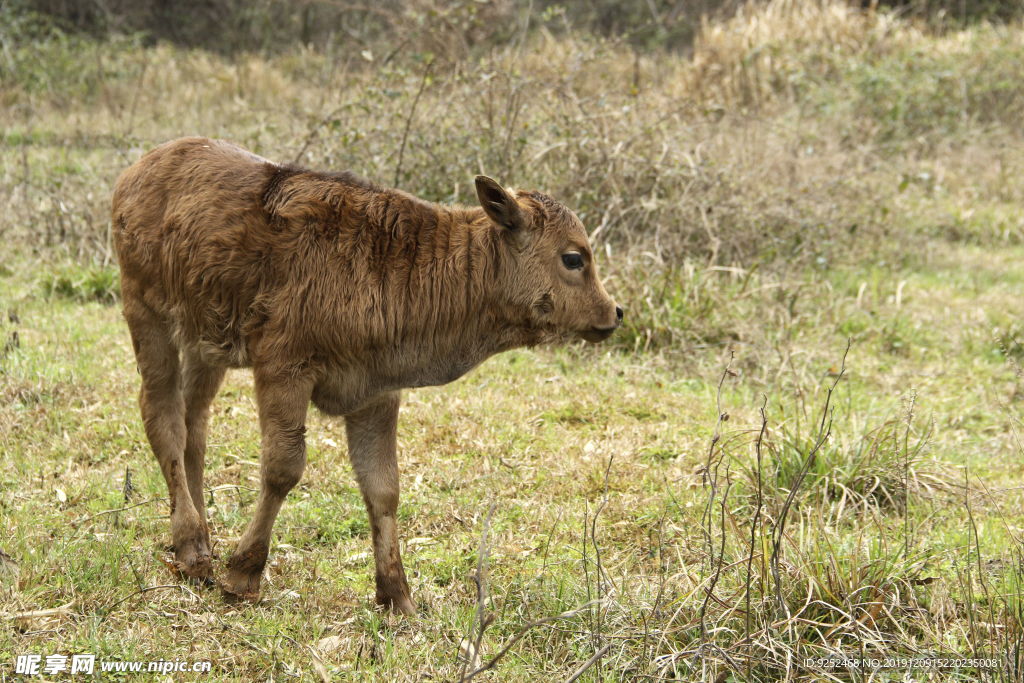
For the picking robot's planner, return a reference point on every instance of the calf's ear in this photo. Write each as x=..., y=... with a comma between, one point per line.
x=500, y=206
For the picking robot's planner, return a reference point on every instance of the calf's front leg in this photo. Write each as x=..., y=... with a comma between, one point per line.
x=283, y=401
x=372, y=449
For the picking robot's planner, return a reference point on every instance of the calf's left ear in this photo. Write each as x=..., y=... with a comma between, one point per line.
x=500, y=206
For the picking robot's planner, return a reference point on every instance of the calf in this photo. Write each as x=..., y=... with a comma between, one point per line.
x=334, y=291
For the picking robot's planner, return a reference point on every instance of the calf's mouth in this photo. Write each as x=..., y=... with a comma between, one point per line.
x=596, y=335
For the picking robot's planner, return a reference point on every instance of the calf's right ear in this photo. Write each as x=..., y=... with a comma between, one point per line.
x=500, y=206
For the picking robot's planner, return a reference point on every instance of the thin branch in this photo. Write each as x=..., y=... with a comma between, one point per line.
x=753, y=525
x=589, y=663
x=709, y=478
x=112, y=511
x=906, y=474
x=522, y=633
x=408, y=121
x=479, y=620
x=108, y=610
x=718, y=570
x=663, y=570
x=825, y=431
x=597, y=551
x=130, y=127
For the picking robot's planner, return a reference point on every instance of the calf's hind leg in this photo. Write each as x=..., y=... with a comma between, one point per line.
x=163, y=413
x=201, y=382
x=283, y=401
x=372, y=449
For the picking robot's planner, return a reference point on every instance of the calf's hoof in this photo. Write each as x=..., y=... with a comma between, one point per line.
x=240, y=588
x=244, y=570
x=192, y=561
x=198, y=569
x=191, y=538
x=401, y=604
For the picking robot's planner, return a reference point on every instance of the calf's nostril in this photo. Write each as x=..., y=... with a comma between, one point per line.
x=618, y=313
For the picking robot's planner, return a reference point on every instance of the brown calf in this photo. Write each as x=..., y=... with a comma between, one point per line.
x=337, y=292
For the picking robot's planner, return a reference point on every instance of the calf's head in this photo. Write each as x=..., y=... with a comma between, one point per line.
x=549, y=273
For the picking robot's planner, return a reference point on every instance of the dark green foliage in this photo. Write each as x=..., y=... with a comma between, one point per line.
x=954, y=12
x=229, y=26
x=671, y=24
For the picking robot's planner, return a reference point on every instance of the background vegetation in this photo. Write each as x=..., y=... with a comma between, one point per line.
x=765, y=183
x=273, y=26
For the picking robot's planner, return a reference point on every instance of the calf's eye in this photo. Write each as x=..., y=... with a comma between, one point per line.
x=572, y=261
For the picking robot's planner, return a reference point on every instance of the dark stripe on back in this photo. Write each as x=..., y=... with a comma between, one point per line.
x=276, y=176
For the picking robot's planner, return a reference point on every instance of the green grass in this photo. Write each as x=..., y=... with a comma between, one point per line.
x=102, y=284
x=70, y=422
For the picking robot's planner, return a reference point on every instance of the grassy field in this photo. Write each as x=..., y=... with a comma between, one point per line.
x=678, y=501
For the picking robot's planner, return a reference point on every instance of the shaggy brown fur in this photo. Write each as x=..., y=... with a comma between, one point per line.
x=336, y=292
